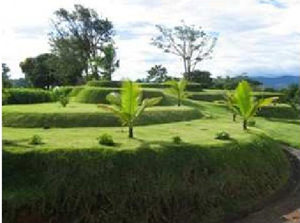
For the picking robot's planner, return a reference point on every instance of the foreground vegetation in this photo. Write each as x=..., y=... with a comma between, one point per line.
x=201, y=169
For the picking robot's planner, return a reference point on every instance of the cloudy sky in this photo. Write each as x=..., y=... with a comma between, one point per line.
x=259, y=37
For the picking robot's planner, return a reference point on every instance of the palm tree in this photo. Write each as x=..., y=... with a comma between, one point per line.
x=245, y=104
x=177, y=88
x=229, y=97
x=126, y=105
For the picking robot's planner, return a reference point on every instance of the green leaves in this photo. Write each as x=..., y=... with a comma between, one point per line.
x=126, y=106
x=177, y=88
x=243, y=103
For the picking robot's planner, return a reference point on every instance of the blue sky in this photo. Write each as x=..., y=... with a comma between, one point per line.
x=259, y=37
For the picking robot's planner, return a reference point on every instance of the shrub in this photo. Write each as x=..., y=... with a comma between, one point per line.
x=106, y=139
x=222, y=135
x=35, y=140
x=278, y=112
x=63, y=100
x=177, y=140
x=28, y=96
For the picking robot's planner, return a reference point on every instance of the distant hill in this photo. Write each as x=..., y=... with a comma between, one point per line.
x=277, y=82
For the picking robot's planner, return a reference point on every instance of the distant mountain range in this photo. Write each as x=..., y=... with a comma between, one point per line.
x=277, y=82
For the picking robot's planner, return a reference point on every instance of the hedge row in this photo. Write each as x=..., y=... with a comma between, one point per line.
x=217, y=97
x=27, y=96
x=95, y=119
x=152, y=184
x=279, y=112
x=194, y=87
x=94, y=95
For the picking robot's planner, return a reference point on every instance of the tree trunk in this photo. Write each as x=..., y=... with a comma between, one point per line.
x=130, y=132
x=245, y=125
x=234, y=117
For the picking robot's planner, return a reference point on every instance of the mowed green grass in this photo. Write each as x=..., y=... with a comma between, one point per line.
x=72, y=107
x=200, y=132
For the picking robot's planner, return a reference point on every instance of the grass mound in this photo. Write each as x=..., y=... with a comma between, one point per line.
x=95, y=95
x=156, y=182
x=84, y=115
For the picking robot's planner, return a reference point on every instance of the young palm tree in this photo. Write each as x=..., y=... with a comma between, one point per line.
x=245, y=104
x=177, y=88
x=126, y=105
x=229, y=97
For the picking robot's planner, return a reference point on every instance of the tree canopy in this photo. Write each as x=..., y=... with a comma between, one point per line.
x=192, y=44
x=80, y=33
x=157, y=74
x=40, y=71
x=5, y=77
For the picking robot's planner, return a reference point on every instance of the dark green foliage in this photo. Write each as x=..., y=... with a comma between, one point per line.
x=177, y=140
x=201, y=77
x=222, y=135
x=6, y=82
x=278, y=112
x=94, y=95
x=63, y=100
x=78, y=38
x=36, y=140
x=28, y=96
x=95, y=119
x=40, y=72
x=206, y=97
x=168, y=184
x=157, y=74
x=106, y=139
x=231, y=83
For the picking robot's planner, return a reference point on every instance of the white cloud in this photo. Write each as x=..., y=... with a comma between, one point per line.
x=255, y=38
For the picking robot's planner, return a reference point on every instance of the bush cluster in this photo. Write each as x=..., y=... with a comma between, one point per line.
x=106, y=139
x=28, y=96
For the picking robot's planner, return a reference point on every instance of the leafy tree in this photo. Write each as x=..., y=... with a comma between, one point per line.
x=108, y=62
x=244, y=104
x=231, y=105
x=69, y=62
x=177, y=88
x=190, y=43
x=231, y=83
x=202, y=77
x=292, y=95
x=39, y=71
x=157, y=74
x=83, y=33
x=6, y=83
x=126, y=105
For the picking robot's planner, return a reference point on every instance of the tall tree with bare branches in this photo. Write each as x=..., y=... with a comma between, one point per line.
x=190, y=43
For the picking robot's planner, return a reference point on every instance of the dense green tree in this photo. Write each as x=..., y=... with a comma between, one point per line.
x=108, y=62
x=40, y=71
x=69, y=62
x=202, y=77
x=83, y=33
x=157, y=74
x=126, y=105
x=190, y=43
x=6, y=82
x=177, y=88
x=292, y=95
